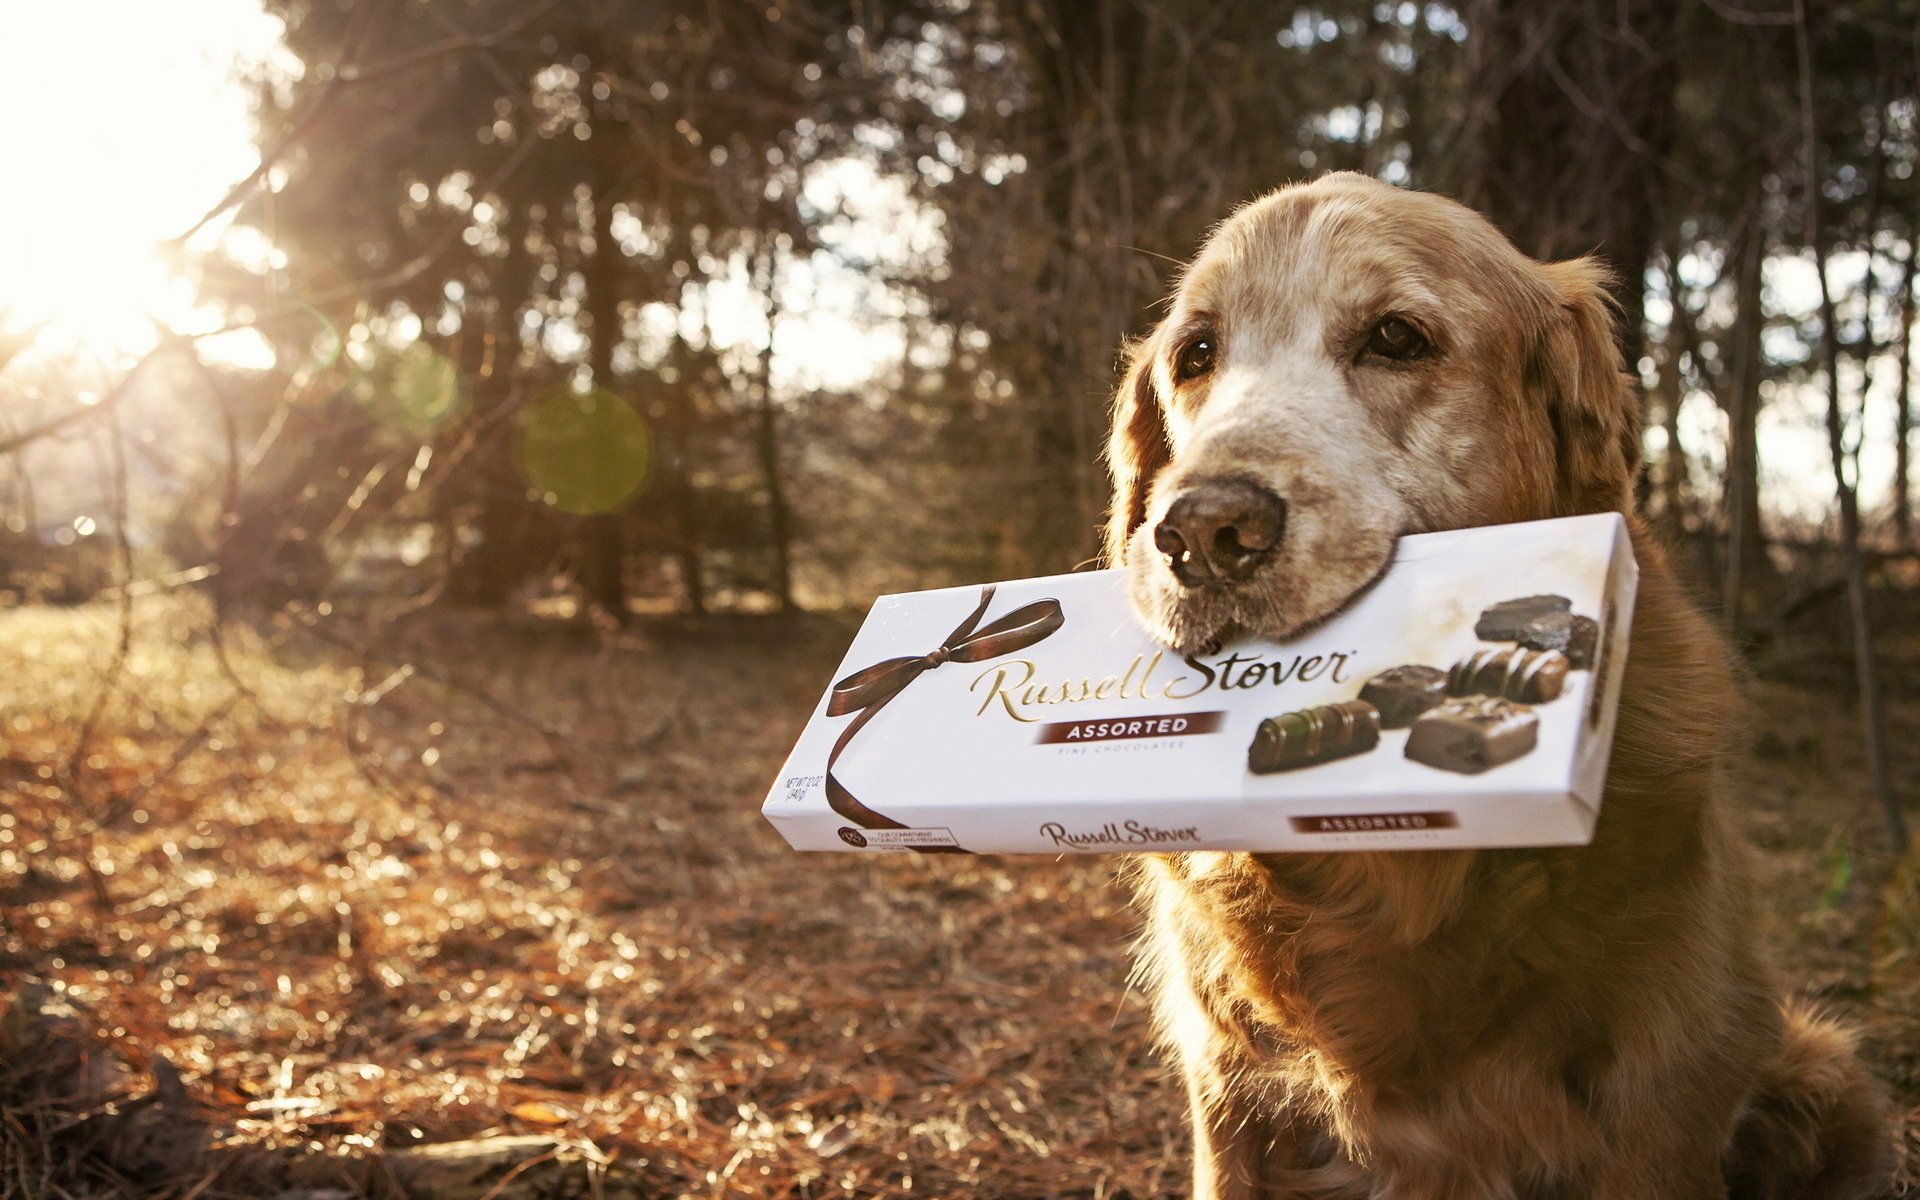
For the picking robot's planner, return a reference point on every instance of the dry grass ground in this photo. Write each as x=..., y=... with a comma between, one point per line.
x=322, y=906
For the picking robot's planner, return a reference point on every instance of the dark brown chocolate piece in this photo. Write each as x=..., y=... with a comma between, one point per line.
x=1504, y=621
x=1313, y=735
x=1472, y=735
x=1403, y=693
x=1528, y=676
x=1573, y=636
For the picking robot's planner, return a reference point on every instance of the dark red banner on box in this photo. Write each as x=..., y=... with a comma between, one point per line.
x=1375, y=822
x=1113, y=729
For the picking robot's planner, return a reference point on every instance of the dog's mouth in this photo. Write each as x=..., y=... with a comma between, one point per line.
x=1275, y=605
x=1273, y=571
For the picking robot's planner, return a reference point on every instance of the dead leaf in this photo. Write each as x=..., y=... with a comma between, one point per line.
x=538, y=1112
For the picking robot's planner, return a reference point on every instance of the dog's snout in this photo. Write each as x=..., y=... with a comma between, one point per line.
x=1220, y=531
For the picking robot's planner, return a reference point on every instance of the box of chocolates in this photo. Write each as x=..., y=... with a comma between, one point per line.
x=1465, y=699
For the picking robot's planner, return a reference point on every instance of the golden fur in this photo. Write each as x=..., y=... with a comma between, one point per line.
x=1592, y=1022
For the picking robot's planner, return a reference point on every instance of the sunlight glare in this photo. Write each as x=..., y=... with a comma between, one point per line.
x=130, y=121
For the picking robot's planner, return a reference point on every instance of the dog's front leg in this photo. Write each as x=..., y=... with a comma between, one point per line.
x=1243, y=1150
x=1224, y=1167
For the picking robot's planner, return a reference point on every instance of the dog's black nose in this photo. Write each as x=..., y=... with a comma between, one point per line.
x=1220, y=530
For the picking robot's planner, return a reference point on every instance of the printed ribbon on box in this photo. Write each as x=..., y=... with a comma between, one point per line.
x=868, y=690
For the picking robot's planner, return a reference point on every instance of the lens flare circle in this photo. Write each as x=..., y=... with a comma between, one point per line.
x=583, y=451
x=414, y=389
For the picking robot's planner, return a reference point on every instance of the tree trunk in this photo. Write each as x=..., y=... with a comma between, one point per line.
x=768, y=439
x=1566, y=131
x=487, y=572
x=1087, y=56
x=1903, y=401
x=672, y=497
x=603, y=540
x=1671, y=389
x=1747, y=563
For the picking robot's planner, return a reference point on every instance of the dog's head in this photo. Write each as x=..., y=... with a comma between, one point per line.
x=1345, y=362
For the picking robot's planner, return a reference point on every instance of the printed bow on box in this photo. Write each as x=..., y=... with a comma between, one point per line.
x=869, y=689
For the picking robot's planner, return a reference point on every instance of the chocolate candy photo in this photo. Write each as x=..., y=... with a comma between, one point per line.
x=1504, y=621
x=1403, y=693
x=1313, y=735
x=1526, y=676
x=1472, y=735
x=1572, y=635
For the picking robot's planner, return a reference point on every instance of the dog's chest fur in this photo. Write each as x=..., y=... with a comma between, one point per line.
x=1351, y=965
x=1371, y=997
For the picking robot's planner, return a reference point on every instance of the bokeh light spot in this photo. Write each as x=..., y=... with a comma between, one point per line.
x=305, y=339
x=585, y=452
x=413, y=390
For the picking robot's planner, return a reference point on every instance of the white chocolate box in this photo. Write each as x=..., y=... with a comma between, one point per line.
x=1049, y=722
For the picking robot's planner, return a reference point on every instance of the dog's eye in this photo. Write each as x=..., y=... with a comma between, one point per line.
x=1396, y=338
x=1194, y=360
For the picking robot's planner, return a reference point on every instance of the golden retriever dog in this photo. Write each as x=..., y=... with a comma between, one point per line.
x=1345, y=362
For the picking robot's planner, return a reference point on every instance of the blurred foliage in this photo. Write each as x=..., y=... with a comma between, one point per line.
x=64, y=570
x=489, y=204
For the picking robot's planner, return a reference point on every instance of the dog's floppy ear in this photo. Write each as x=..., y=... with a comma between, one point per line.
x=1595, y=415
x=1136, y=447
